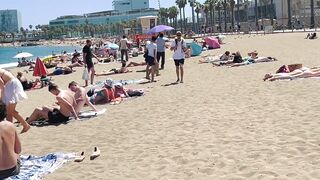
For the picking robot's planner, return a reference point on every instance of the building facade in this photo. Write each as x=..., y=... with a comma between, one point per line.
x=124, y=10
x=129, y=5
x=10, y=21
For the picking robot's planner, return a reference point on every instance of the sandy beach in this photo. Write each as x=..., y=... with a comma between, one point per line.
x=222, y=123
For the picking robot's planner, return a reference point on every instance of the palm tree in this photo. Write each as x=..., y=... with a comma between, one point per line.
x=173, y=13
x=265, y=3
x=246, y=4
x=232, y=3
x=256, y=12
x=218, y=8
x=180, y=5
x=272, y=12
x=163, y=12
x=192, y=4
x=238, y=12
x=225, y=5
x=206, y=11
x=289, y=14
x=312, y=21
x=197, y=10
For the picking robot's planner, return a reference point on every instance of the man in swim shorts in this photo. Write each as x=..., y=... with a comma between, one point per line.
x=9, y=151
x=80, y=96
x=57, y=114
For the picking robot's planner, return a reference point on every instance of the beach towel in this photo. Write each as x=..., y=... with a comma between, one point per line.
x=123, y=82
x=34, y=168
x=196, y=49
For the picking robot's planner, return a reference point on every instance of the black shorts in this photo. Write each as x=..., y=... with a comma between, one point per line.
x=179, y=62
x=150, y=61
x=89, y=64
x=56, y=117
x=12, y=171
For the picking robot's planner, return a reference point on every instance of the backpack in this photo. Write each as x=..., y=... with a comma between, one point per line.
x=182, y=42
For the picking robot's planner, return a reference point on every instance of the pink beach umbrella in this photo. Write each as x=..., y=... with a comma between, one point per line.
x=212, y=42
x=39, y=68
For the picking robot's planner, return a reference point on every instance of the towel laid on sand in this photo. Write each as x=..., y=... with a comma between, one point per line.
x=123, y=82
x=34, y=168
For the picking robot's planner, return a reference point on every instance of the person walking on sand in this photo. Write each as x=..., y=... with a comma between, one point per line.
x=151, y=59
x=179, y=47
x=123, y=47
x=161, y=48
x=60, y=113
x=12, y=93
x=87, y=57
x=10, y=149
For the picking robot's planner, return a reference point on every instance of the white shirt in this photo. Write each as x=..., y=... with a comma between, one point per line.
x=152, y=48
x=178, y=52
x=123, y=44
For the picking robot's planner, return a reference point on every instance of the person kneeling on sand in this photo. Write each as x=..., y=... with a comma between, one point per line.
x=56, y=114
x=9, y=151
x=80, y=96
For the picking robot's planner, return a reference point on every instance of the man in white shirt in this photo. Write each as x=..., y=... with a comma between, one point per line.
x=179, y=47
x=123, y=47
x=151, y=59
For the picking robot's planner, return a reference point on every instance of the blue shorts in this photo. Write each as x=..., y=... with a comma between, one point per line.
x=150, y=61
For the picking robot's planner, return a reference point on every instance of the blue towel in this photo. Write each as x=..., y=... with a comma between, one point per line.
x=33, y=167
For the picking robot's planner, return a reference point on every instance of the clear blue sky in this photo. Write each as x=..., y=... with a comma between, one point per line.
x=41, y=11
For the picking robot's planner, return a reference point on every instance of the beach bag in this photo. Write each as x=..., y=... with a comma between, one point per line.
x=85, y=74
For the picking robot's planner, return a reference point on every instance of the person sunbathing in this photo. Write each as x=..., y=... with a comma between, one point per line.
x=311, y=36
x=302, y=72
x=123, y=69
x=104, y=95
x=59, y=113
x=10, y=149
x=80, y=97
x=248, y=61
x=132, y=64
x=61, y=70
x=38, y=83
x=223, y=57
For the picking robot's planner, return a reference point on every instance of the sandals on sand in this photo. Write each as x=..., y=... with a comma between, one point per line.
x=94, y=155
x=80, y=158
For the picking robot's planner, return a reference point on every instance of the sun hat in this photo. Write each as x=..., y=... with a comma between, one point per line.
x=108, y=83
x=118, y=85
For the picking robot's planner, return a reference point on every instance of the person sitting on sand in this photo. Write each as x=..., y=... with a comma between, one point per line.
x=10, y=149
x=119, y=91
x=12, y=93
x=104, y=95
x=27, y=85
x=123, y=69
x=59, y=113
x=80, y=97
x=312, y=36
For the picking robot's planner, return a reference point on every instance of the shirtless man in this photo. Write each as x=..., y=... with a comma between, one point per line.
x=12, y=92
x=9, y=151
x=57, y=114
x=80, y=97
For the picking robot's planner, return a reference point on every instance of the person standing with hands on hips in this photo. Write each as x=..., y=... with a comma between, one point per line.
x=87, y=57
x=179, y=47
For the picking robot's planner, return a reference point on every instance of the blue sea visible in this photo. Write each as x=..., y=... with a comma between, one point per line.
x=7, y=53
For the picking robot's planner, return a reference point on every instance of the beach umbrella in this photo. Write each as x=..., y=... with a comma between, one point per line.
x=112, y=46
x=23, y=55
x=160, y=28
x=212, y=42
x=39, y=68
x=196, y=49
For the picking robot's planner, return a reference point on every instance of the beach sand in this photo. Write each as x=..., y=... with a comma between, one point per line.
x=222, y=123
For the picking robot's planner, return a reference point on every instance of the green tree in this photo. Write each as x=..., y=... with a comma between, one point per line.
x=289, y=14
x=231, y=5
x=173, y=13
x=312, y=21
x=218, y=8
x=225, y=6
x=192, y=5
x=197, y=10
x=180, y=5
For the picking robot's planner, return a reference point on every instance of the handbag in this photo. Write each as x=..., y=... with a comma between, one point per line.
x=85, y=74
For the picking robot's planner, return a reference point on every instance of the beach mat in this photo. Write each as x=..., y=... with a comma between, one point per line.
x=35, y=168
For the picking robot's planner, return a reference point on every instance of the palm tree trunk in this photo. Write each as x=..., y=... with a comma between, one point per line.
x=181, y=22
x=219, y=17
x=184, y=19
x=312, y=21
x=225, y=16
x=193, y=18
x=232, y=18
x=271, y=13
x=197, y=23
x=211, y=17
x=238, y=12
x=289, y=14
x=256, y=12
x=213, y=21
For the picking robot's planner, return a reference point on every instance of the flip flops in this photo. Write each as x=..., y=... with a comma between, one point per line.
x=94, y=155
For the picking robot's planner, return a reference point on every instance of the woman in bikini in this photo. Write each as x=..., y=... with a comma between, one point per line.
x=104, y=95
x=12, y=93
